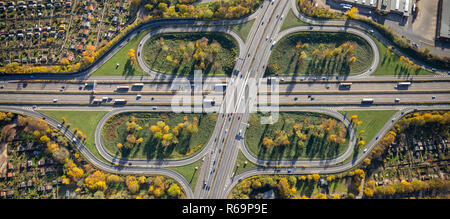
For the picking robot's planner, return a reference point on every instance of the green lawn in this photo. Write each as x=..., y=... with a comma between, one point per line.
x=390, y=64
x=324, y=54
x=115, y=131
x=316, y=142
x=372, y=122
x=86, y=121
x=126, y=68
x=182, y=53
x=241, y=159
x=291, y=21
x=189, y=172
x=243, y=29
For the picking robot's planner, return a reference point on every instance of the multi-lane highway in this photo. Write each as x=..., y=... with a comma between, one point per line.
x=295, y=94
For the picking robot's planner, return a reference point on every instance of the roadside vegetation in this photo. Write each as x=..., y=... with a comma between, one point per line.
x=296, y=135
x=367, y=123
x=392, y=64
x=83, y=123
x=182, y=53
x=311, y=186
x=44, y=164
x=127, y=67
x=291, y=21
x=243, y=164
x=189, y=172
x=157, y=136
x=320, y=54
x=243, y=29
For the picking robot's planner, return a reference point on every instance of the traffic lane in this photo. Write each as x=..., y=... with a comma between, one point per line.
x=375, y=86
x=342, y=98
x=218, y=178
x=87, y=98
x=103, y=87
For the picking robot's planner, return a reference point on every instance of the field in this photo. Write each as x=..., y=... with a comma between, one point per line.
x=151, y=148
x=317, y=136
x=291, y=21
x=86, y=121
x=189, y=172
x=372, y=122
x=390, y=64
x=126, y=67
x=182, y=53
x=243, y=166
x=243, y=29
x=320, y=54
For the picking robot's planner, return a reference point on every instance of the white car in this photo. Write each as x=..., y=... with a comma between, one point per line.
x=55, y=100
x=365, y=150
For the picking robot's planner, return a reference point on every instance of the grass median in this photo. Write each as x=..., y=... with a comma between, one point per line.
x=371, y=122
x=85, y=121
x=392, y=64
x=126, y=67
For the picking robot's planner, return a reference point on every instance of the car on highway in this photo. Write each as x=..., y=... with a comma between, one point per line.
x=433, y=97
x=55, y=100
x=239, y=117
x=289, y=171
x=377, y=137
x=59, y=125
x=74, y=139
x=365, y=150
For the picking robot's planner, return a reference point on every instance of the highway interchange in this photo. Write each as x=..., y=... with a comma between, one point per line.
x=216, y=177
